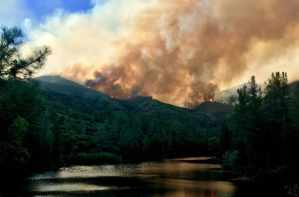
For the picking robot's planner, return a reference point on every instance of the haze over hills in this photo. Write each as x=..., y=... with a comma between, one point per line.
x=64, y=86
x=79, y=98
x=224, y=95
x=67, y=92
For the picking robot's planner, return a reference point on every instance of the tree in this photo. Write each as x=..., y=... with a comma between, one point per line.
x=152, y=129
x=254, y=125
x=224, y=140
x=292, y=140
x=247, y=126
x=20, y=97
x=101, y=137
x=46, y=133
x=275, y=107
x=156, y=146
x=57, y=143
x=295, y=108
x=82, y=127
x=12, y=65
x=265, y=133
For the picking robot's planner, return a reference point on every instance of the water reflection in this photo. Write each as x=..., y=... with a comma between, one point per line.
x=176, y=178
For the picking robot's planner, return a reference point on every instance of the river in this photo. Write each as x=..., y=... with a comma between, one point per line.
x=187, y=177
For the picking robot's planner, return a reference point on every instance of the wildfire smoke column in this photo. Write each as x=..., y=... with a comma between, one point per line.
x=178, y=51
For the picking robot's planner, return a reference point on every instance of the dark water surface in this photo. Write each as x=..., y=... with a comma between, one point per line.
x=174, y=177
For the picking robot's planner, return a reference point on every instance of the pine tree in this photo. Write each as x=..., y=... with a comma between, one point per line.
x=12, y=65
x=101, y=137
x=82, y=127
x=276, y=118
x=46, y=133
x=225, y=143
x=20, y=98
x=254, y=125
x=57, y=144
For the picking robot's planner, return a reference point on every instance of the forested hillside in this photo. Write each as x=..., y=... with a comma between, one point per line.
x=76, y=97
x=139, y=128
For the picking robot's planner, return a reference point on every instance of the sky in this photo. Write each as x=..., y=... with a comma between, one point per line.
x=180, y=52
x=14, y=12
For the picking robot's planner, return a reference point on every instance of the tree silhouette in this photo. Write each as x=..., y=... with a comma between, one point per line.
x=12, y=65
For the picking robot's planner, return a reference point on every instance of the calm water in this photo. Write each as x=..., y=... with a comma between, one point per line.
x=175, y=177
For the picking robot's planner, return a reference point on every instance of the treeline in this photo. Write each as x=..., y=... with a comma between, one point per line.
x=261, y=140
x=73, y=138
x=37, y=135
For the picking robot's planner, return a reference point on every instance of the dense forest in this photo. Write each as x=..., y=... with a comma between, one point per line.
x=46, y=125
x=50, y=122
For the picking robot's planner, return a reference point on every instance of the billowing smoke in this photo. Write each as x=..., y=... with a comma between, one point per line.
x=179, y=51
x=98, y=81
x=201, y=92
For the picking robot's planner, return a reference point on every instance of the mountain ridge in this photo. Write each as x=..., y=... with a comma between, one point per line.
x=73, y=95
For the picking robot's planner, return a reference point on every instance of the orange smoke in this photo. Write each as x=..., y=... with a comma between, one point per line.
x=178, y=51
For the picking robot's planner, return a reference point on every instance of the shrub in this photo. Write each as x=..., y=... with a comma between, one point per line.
x=93, y=158
x=229, y=160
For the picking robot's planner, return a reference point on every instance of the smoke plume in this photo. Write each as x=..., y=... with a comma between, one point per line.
x=178, y=51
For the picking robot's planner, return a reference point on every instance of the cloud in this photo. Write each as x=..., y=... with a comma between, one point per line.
x=178, y=51
x=13, y=12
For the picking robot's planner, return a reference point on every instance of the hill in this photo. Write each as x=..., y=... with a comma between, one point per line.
x=292, y=86
x=70, y=88
x=155, y=108
x=219, y=110
x=224, y=96
x=73, y=96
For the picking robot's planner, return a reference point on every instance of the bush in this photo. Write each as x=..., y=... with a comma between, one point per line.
x=229, y=160
x=93, y=158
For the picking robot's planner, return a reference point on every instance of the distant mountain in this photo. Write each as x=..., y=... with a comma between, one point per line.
x=292, y=86
x=67, y=87
x=219, y=110
x=73, y=96
x=223, y=96
x=155, y=108
x=56, y=79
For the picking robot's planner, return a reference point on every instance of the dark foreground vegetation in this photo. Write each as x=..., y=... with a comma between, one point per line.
x=53, y=122
x=261, y=140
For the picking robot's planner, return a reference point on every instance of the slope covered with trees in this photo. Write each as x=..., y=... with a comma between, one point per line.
x=54, y=122
x=124, y=127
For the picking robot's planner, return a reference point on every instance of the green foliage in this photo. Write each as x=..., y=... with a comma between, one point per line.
x=57, y=144
x=93, y=158
x=19, y=127
x=225, y=140
x=219, y=110
x=228, y=162
x=156, y=146
x=213, y=144
x=20, y=100
x=11, y=63
x=265, y=132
